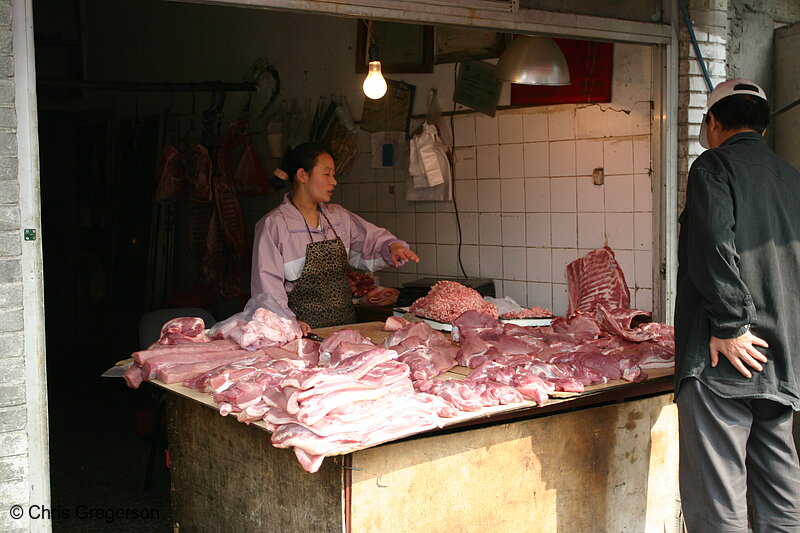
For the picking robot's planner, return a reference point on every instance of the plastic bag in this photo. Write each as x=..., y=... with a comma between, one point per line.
x=429, y=168
x=276, y=130
x=263, y=301
x=261, y=324
x=435, y=118
x=504, y=305
x=345, y=116
x=428, y=158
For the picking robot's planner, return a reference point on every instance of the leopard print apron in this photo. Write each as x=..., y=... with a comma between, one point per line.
x=321, y=296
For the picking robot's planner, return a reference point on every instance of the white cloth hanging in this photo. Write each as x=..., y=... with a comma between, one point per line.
x=428, y=157
x=429, y=167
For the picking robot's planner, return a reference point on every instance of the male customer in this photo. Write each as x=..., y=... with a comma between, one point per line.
x=737, y=324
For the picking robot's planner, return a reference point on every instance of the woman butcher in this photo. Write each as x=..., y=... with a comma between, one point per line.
x=303, y=247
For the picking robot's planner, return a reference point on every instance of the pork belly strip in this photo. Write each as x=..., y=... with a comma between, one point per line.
x=143, y=356
x=381, y=375
x=176, y=373
x=288, y=435
x=258, y=387
x=245, y=393
x=310, y=463
x=351, y=368
x=315, y=408
x=133, y=376
x=219, y=379
x=461, y=394
x=310, y=447
x=360, y=417
x=393, y=323
x=154, y=364
x=152, y=367
x=427, y=352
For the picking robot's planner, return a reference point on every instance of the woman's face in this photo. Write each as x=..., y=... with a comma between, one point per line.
x=321, y=181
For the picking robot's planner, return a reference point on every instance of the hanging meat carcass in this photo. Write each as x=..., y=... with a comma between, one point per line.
x=199, y=224
x=220, y=266
x=197, y=165
x=226, y=248
x=227, y=203
x=217, y=236
x=171, y=178
x=182, y=171
x=596, y=278
x=250, y=176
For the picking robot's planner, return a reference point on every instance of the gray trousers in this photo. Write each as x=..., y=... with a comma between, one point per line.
x=732, y=451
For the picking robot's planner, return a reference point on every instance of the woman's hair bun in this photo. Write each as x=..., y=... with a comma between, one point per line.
x=302, y=156
x=279, y=178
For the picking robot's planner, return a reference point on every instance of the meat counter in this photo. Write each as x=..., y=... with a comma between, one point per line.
x=602, y=460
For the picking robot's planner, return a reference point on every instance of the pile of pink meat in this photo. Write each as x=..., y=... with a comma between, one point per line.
x=324, y=398
x=533, y=312
x=566, y=356
x=319, y=398
x=448, y=299
x=347, y=393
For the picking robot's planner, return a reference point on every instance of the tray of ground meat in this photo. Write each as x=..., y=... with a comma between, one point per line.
x=435, y=324
x=446, y=301
x=507, y=318
x=535, y=316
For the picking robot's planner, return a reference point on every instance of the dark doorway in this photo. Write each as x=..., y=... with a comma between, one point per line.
x=96, y=180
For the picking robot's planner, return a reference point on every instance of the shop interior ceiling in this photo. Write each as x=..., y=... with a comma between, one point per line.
x=635, y=21
x=652, y=22
x=497, y=17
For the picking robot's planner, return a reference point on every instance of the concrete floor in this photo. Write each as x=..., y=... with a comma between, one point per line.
x=98, y=459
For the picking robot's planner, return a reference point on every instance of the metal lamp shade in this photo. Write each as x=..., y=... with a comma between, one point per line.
x=533, y=60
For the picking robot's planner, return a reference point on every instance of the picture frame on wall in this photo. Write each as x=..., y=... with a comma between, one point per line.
x=476, y=87
x=402, y=48
x=453, y=45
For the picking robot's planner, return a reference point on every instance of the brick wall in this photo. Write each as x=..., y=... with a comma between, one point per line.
x=14, y=475
x=710, y=20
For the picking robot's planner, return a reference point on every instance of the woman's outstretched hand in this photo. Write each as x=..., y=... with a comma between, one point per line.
x=401, y=254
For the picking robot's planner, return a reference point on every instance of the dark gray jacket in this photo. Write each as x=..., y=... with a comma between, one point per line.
x=739, y=267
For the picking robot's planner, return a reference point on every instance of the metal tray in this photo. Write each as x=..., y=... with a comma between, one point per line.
x=446, y=326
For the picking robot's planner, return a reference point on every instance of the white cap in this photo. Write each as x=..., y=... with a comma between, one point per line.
x=724, y=90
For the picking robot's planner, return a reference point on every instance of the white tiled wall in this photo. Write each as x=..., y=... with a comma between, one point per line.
x=526, y=202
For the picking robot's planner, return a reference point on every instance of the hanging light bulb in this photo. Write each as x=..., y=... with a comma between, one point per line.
x=374, y=84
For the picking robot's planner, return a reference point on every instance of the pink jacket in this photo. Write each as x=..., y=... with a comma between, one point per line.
x=280, y=240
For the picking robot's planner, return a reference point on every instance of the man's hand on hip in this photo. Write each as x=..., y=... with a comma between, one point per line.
x=740, y=351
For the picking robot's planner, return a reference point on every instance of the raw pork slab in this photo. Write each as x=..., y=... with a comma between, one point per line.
x=158, y=350
x=596, y=278
x=183, y=330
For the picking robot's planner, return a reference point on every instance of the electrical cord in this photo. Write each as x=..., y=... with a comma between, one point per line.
x=453, y=173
